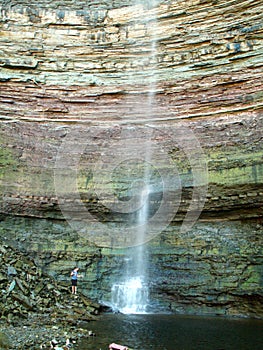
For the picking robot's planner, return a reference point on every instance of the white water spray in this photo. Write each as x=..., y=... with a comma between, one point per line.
x=130, y=297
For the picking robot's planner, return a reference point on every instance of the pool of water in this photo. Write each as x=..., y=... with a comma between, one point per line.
x=173, y=332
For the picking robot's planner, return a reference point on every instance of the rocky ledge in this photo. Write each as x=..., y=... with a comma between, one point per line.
x=35, y=309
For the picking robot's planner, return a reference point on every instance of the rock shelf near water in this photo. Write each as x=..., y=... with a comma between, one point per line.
x=34, y=308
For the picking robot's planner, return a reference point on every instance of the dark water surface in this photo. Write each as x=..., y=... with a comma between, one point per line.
x=173, y=332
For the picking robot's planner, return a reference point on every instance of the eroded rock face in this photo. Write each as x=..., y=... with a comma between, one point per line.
x=175, y=84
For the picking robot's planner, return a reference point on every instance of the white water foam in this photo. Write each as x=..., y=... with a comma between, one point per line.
x=130, y=297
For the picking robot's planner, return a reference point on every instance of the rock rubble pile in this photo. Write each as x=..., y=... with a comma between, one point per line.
x=31, y=299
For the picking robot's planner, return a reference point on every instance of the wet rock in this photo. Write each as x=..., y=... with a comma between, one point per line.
x=11, y=271
x=11, y=286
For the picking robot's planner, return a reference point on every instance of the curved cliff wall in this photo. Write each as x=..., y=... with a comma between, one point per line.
x=89, y=83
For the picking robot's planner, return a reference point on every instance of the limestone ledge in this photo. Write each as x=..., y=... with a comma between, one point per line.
x=176, y=40
x=215, y=268
x=65, y=65
x=223, y=207
x=31, y=154
x=224, y=96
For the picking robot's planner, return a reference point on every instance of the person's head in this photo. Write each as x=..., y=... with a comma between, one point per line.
x=76, y=268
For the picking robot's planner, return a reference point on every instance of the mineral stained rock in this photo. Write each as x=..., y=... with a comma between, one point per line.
x=87, y=87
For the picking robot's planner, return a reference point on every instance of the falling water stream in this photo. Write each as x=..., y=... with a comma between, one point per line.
x=130, y=295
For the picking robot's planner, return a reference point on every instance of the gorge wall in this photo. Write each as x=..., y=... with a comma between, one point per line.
x=85, y=88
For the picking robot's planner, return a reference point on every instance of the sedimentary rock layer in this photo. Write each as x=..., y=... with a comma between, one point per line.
x=90, y=86
x=100, y=64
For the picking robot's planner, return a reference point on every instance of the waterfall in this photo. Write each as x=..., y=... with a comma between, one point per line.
x=131, y=294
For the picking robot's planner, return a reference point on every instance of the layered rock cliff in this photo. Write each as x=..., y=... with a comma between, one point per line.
x=90, y=92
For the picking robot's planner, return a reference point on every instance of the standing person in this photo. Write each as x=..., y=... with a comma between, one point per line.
x=74, y=279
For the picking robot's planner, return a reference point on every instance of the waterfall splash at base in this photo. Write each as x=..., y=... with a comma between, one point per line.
x=130, y=297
